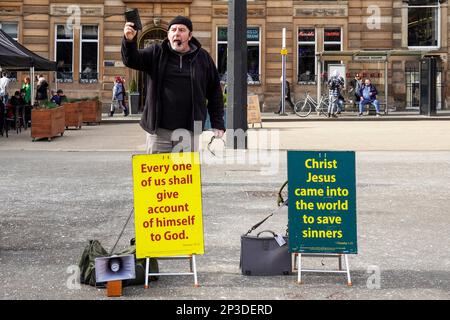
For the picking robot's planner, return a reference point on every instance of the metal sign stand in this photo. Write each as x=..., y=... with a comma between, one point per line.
x=323, y=255
x=192, y=266
x=283, y=74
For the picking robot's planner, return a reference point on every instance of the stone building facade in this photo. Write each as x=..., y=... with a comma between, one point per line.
x=85, y=37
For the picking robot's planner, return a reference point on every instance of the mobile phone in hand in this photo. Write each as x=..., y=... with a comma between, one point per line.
x=132, y=15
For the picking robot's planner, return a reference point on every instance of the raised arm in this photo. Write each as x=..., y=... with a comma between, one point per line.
x=131, y=56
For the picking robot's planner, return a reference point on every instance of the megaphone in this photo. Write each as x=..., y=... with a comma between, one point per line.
x=113, y=270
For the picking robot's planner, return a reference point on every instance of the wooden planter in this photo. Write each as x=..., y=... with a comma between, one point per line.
x=47, y=123
x=74, y=116
x=92, y=111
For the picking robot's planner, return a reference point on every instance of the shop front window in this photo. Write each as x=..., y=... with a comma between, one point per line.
x=306, y=55
x=332, y=41
x=253, y=54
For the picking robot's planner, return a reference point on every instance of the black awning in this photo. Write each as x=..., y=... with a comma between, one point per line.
x=14, y=56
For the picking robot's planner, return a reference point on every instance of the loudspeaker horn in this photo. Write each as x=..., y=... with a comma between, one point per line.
x=115, y=268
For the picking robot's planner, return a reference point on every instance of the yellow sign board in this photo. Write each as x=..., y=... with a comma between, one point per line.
x=253, y=112
x=284, y=52
x=167, y=204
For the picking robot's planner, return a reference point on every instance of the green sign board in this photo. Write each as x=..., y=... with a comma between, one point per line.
x=252, y=34
x=322, y=202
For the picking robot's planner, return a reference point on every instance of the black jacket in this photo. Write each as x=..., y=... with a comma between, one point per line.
x=206, y=90
x=41, y=91
x=373, y=91
x=288, y=91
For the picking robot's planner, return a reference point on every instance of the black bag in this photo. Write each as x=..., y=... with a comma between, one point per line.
x=263, y=256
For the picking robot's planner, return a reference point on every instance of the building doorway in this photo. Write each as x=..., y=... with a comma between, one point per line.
x=152, y=36
x=412, y=77
x=412, y=88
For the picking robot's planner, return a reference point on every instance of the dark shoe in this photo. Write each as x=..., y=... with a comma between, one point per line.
x=111, y=113
x=360, y=114
x=277, y=112
x=334, y=115
x=329, y=115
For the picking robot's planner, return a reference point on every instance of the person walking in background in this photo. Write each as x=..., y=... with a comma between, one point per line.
x=368, y=95
x=183, y=85
x=287, y=97
x=26, y=86
x=118, y=97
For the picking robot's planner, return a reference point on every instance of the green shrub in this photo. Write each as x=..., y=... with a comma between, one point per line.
x=49, y=105
x=71, y=100
x=133, y=86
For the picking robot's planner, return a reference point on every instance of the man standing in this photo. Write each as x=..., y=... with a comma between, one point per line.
x=4, y=83
x=182, y=86
x=356, y=84
x=42, y=90
x=368, y=94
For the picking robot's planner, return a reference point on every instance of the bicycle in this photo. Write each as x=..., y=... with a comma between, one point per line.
x=303, y=108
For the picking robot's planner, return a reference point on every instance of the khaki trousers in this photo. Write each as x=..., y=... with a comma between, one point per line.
x=172, y=141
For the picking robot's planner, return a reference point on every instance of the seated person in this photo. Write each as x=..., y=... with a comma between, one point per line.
x=306, y=76
x=17, y=99
x=340, y=104
x=15, y=102
x=368, y=94
x=59, y=97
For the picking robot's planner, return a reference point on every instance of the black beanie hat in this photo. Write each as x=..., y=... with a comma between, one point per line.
x=181, y=20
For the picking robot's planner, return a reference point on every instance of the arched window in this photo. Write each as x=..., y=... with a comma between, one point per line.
x=156, y=35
